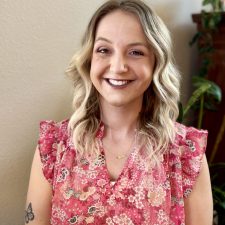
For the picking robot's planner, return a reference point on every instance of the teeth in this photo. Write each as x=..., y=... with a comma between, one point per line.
x=118, y=82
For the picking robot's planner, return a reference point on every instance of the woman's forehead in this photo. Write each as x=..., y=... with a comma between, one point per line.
x=120, y=25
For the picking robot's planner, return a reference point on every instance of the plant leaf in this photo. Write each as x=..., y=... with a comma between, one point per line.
x=195, y=38
x=206, y=2
x=198, y=81
x=213, y=92
x=196, y=96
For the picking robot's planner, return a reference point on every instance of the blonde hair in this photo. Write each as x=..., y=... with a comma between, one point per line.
x=159, y=109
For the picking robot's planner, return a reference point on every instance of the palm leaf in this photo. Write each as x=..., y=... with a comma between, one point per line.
x=196, y=96
x=213, y=92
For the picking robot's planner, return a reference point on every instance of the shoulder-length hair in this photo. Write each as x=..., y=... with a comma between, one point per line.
x=159, y=109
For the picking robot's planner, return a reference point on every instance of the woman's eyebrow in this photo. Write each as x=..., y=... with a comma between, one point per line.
x=103, y=39
x=129, y=45
x=138, y=44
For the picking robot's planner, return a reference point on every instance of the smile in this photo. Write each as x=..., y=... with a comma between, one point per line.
x=118, y=83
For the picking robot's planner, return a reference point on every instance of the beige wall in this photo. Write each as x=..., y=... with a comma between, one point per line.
x=37, y=40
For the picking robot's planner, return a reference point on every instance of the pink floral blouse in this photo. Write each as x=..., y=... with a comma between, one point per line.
x=143, y=194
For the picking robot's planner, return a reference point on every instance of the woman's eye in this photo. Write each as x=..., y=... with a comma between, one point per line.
x=103, y=50
x=136, y=53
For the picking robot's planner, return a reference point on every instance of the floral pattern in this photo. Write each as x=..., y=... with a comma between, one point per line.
x=143, y=194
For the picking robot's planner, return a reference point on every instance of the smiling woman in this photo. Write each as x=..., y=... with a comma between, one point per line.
x=122, y=61
x=121, y=158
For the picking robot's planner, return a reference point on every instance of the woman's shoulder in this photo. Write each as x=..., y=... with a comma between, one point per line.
x=186, y=155
x=51, y=129
x=52, y=143
x=52, y=124
x=188, y=134
x=189, y=142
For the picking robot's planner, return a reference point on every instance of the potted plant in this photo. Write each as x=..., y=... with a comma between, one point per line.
x=209, y=87
x=210, y=39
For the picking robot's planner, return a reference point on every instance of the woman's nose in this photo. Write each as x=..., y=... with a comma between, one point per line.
x=118, y=63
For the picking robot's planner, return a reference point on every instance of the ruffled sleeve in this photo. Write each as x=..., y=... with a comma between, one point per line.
x=193, y=146
x=47, y=146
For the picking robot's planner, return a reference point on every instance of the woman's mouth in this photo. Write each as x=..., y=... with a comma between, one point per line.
x=118, y=83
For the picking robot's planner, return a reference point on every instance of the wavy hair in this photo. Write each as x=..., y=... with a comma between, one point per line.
x=159, y=109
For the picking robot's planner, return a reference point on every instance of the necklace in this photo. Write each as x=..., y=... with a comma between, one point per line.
x=123, y=156
x=120, y=156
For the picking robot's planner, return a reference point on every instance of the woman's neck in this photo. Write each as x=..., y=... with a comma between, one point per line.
x=120, y=120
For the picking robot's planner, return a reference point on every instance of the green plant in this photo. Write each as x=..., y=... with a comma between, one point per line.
x=216, y=5
x=210, y=21
x=207, y=94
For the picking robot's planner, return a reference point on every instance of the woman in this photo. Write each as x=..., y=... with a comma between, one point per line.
x=121, y=158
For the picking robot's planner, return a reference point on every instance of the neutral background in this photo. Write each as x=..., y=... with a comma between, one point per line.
x=37, y=41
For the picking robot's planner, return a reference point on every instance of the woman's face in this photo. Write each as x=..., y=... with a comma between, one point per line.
x=122, y=61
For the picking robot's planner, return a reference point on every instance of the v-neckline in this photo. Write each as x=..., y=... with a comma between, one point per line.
x=128, y=162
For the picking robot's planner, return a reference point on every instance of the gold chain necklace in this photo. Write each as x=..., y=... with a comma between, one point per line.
x=123, y=156
x=119, y=157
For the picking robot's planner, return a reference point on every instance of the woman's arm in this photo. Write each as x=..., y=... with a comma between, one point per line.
x=38, y=206
x=199, y=205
